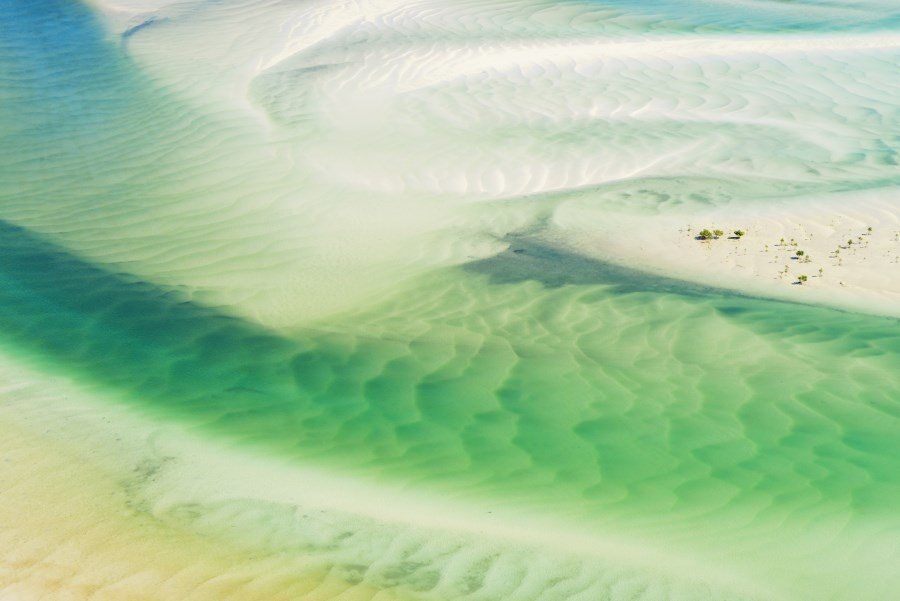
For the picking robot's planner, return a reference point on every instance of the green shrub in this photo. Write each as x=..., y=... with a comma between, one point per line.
x=705, y=235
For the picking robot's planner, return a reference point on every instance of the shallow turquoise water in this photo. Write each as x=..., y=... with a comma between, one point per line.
x=533, y=379
x=763, y=16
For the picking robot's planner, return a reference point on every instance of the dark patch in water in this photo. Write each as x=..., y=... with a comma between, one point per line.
x=527, y=259
x=732, y=310
x=140, y=26
x=552, y=267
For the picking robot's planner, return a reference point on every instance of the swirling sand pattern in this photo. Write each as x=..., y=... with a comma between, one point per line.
x=284, y=281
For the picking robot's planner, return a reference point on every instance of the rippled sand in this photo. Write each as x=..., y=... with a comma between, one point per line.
x=400, y=300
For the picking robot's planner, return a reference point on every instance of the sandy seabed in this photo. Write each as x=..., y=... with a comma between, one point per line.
x=403, y=300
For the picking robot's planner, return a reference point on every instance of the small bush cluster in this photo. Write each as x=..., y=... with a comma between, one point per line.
x=708, y=234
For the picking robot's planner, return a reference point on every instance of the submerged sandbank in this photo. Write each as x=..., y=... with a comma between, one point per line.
x=101, y=502
x=366, y=165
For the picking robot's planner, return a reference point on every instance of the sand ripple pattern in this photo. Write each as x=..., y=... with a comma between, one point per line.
x=581, y=391
x=316, y=233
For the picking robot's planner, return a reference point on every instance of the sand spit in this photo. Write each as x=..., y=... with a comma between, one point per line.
x=847, y=246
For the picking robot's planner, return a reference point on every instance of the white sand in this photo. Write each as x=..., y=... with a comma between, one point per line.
x=864, y=275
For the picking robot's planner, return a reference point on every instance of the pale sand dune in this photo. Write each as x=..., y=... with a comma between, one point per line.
x=862, y=276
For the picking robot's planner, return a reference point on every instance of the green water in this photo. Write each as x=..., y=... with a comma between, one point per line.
x=532, y=379
x=613, y=393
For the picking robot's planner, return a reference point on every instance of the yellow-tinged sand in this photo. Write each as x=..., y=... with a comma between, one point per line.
x=69, y=529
